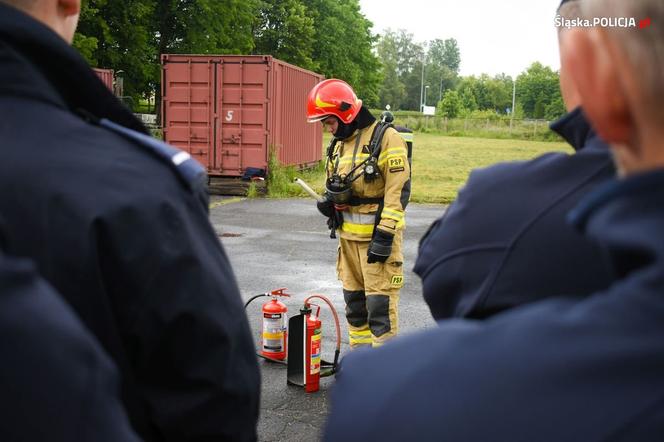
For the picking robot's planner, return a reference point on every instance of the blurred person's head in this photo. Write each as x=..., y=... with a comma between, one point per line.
x=568, y=10
x=59, y=15
x=618, y=75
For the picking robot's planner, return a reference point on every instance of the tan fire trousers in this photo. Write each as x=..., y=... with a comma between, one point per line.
x=371, y=292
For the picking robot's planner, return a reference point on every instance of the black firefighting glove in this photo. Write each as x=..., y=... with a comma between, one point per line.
x=380, y=247
x=335, y=222
x=325, y=207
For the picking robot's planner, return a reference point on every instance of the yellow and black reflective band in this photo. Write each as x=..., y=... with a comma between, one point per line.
x=360, y=337
x=396, y=215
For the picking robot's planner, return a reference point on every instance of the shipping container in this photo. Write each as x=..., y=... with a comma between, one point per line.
x=106, y=76
x=229, y=111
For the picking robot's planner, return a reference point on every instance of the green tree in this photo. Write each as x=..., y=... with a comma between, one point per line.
x=203, y=26
x=130, y=36
x=442, y=68
x=451, y=105
x=486, y=93
x=402, y=68
x=409, y=52
x=344, y=46
x=555, y=109
x=536, y=89
x=87, y=45
x=468, y=100
x=117, y=35
x=500, y=93
x=286, y=31
x=392, y=91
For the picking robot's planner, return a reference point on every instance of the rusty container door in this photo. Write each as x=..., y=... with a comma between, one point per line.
x=242, y=125
x=106, y=76
x=188, y=112
x=297, y=142
x=229, y=111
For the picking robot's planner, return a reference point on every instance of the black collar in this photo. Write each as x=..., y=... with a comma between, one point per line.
x=36, y=63
x=574, y=128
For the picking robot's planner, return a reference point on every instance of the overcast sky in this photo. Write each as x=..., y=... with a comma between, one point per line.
x=493, y=36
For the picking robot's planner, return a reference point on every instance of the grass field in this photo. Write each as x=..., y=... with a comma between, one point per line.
x=441, y=165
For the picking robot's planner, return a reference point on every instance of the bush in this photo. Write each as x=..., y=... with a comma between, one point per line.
x=281, y=179
x=490, y=115
x=252, y=190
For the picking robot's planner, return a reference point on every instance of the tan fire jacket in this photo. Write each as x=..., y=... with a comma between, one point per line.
x=392, y=185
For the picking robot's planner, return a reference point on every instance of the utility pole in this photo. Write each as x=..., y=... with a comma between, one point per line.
x=513, y=103
x=440, y=96
x=422, y=84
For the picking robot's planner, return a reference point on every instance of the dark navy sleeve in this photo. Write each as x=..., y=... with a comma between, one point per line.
x=510, y=217
x=188, y=337
x=124, y=238
x=462, y=247
x=57, y=384
x=552, y=371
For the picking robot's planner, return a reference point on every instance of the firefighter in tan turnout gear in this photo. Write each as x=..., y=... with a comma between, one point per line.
x=367, y=190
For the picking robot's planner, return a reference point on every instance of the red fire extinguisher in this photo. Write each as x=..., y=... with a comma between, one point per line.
x=312, y=351
x=275, y=331
x=305, y=363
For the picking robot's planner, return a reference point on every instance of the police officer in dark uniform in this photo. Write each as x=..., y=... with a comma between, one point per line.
x=117, y=222
x=562, y=369
x=57, y=383
x=504, y=242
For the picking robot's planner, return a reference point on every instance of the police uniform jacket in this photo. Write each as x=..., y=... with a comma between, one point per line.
x=504, y=243
x=119, y=230
x=390, y=191
x=57, y=383
x=562, y=369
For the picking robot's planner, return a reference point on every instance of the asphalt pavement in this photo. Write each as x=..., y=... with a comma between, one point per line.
x=275, y=243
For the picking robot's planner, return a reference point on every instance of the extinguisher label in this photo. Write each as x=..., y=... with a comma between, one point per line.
x=315, y=353
x=273, y=332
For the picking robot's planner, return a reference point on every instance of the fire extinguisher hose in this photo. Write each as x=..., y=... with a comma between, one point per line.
x=253, y=298
x=329, y=368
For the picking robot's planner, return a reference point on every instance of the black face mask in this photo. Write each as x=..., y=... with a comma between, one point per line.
x=345, y=130
x=362, y=120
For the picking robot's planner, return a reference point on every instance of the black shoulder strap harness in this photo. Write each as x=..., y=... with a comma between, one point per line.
x=370, y=164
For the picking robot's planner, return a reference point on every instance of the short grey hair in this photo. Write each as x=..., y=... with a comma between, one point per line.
x=569, y=11
x=644, y=48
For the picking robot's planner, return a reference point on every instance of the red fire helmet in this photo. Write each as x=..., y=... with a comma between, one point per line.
x=332, y=97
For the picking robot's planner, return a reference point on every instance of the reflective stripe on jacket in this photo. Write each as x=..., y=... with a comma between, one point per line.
x=393, y=183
